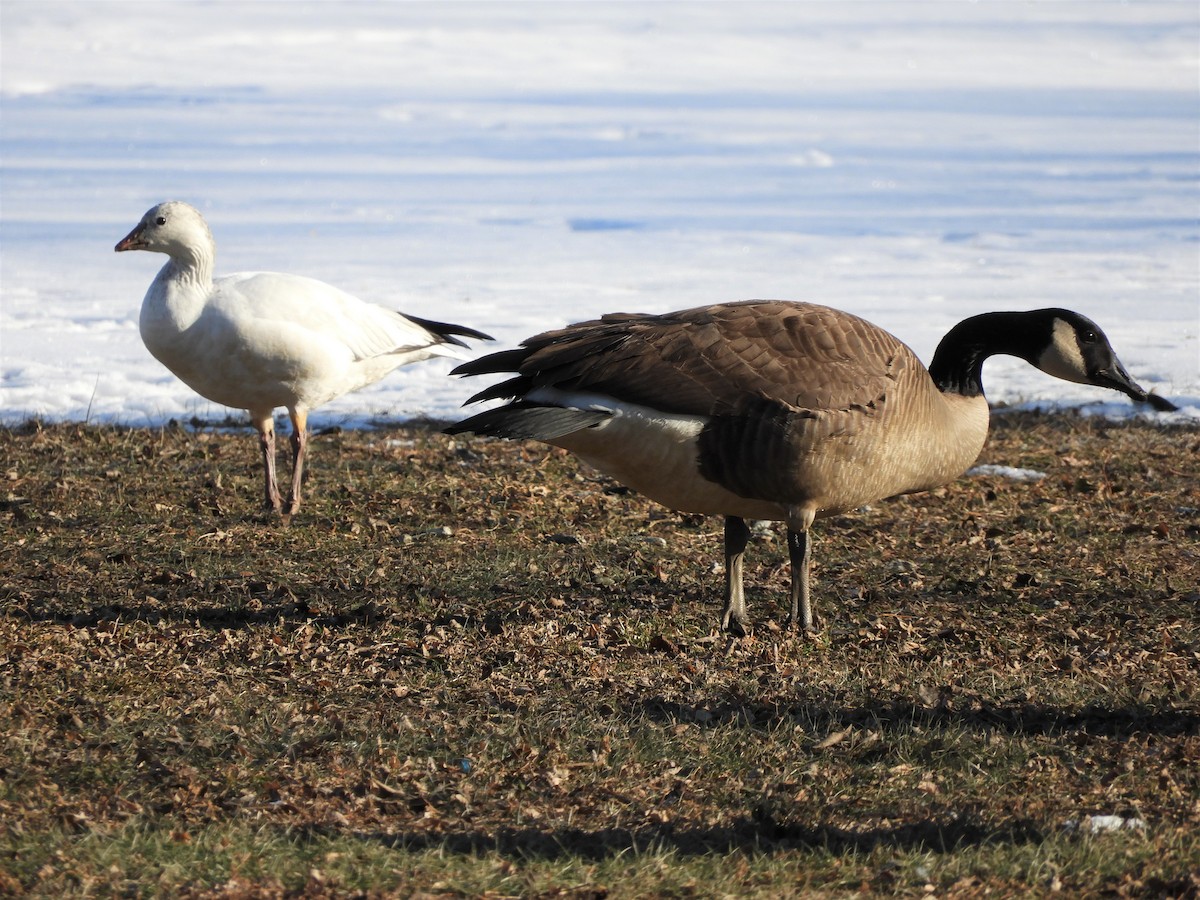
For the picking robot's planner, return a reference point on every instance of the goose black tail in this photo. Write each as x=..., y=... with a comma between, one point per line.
x=525, y=421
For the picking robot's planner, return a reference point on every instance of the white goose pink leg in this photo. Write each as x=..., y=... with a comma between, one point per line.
x=265, y=425
x=299, y=442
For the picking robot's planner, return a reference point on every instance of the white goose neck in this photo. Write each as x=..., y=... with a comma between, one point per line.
x=191, y=267
x=177, y=296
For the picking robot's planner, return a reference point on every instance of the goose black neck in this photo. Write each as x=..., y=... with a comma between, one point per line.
x=958, y=361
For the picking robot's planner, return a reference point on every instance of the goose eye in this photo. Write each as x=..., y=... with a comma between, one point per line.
x=161, y=220
x=1088, y=337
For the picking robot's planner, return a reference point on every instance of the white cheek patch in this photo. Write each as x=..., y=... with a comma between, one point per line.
x=1062, y=358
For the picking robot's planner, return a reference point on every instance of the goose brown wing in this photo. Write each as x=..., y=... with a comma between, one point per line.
x=713, y=361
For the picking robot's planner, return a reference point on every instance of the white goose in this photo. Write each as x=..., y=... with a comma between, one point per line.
x=261, y=340
x=772, y=410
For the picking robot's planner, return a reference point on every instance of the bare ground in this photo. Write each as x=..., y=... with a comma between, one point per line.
x=473, y=668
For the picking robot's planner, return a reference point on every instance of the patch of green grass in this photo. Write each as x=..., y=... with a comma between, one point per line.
x=473, y=668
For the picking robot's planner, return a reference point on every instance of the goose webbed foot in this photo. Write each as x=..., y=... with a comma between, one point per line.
x=733, y=625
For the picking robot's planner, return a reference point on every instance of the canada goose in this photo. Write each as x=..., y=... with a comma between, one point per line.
x=772, y=410
x=260, y=340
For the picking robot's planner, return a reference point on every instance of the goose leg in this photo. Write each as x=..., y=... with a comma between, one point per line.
x=299, y=441
x=265, y=425
x=737, y=535
x=800, y=553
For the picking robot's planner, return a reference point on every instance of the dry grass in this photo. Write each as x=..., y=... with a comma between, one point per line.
x=473, y=669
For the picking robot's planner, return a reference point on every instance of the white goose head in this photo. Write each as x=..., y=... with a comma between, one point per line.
x=174, y=228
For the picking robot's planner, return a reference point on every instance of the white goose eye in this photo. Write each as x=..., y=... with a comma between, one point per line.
x=161, y=220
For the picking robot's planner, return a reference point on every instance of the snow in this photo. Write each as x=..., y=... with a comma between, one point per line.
x=1101, y=824
x=1010, y=472
x=513, y=167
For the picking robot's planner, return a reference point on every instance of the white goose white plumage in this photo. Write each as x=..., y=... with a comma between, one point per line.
x=262, y=340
